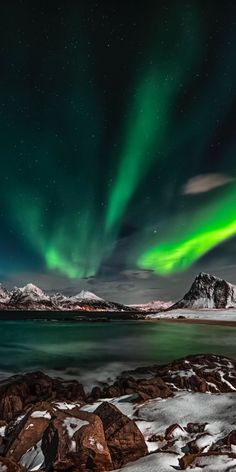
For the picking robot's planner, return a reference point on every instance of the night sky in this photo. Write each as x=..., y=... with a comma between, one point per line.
x=117, y=145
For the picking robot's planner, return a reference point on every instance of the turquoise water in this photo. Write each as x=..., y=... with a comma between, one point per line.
x=93, y=351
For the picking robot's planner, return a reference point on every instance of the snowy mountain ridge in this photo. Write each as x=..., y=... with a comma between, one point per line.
x=208, y=291
x=30, y=298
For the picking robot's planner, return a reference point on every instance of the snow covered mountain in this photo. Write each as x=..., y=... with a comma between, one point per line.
x=208, y=291
x=153, y=306
x=85, y=295
x=30, y=298
x=29, y=292
x=4, y=294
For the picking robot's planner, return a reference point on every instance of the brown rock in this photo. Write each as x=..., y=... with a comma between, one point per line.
x=191, y=460
x=29, y=431
x=21, y=390
x=10, y=465
x=195, y=428
x=146, y=388
x=10, y=406
x=208, y=373
x=125, y=441
x=81, y=442
x=193, y=446
x=186, y=460
x=96, y=393
x=224, y=444
x=65, y=439
x=156, y=437
x=174, y=431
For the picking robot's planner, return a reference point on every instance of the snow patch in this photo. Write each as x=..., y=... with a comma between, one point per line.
x=33, y=459
x=41, y=414
x=73, y=424
x=66, y=405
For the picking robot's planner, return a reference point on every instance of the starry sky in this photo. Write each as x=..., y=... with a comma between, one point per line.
x=117, y=145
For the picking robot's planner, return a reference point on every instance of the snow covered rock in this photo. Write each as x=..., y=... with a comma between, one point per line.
x=78, y=441
x=199, y=373
x=144, y=389
x=208, y=291
x=48, y=437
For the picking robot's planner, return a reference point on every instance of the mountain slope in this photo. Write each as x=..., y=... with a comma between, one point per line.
x=208, y=291
x=4, y=294
x=153, y=306
x=30, y=298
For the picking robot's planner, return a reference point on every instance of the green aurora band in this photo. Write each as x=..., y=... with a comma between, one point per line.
x=151, y=112
x=72, y=218
x=205, y=229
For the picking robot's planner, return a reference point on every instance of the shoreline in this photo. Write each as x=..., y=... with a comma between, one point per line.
x=103, y=317
x=192, y=321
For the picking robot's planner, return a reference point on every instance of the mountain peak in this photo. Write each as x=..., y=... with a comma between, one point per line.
x=86, y=295
x=208, y=291
x=31, y=288
x=27, y=293
x=205, y=276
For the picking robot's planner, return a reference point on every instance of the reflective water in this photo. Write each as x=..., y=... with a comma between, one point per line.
x=97, y=351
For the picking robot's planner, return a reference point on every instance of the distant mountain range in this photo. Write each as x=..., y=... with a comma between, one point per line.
x=153, y=306
x=208, y=291
x=30, y=298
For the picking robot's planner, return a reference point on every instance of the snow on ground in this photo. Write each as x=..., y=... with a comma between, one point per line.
x=215, y=464
x=210, y=315
x=166, y=462
x=161, y=462
x=155, y=416
x=124, y=404
x=185, y=407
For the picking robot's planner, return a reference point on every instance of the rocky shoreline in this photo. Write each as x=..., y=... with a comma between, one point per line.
x=180, y=415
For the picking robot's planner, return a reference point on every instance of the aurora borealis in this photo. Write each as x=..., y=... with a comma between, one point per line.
x=108, y=111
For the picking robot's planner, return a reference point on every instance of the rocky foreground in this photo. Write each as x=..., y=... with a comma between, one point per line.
x=181, y=416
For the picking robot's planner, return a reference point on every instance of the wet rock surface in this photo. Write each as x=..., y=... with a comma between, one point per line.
x=200, y=373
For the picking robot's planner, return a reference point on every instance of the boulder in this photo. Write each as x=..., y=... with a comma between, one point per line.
x=21, y=390
x=78, y=441
x=195, y=428
x=55, y=438
x=125, y=441
x=145, y=388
